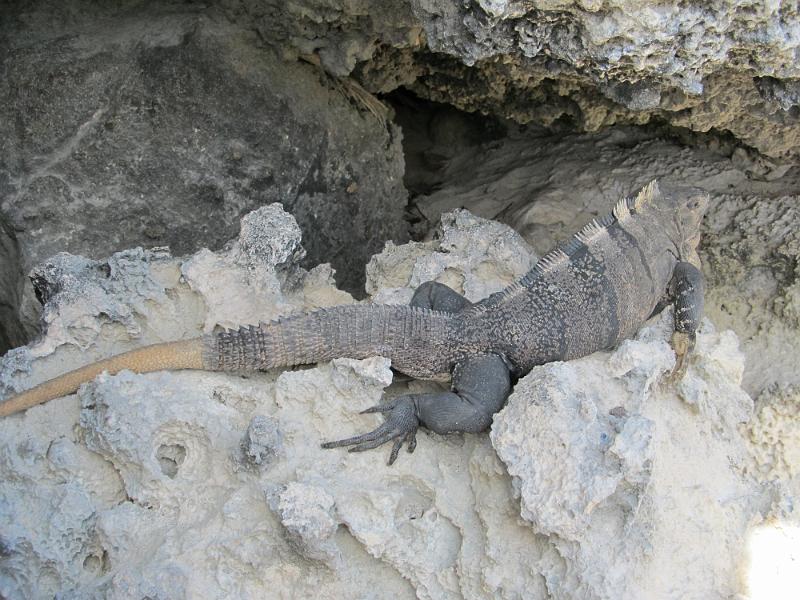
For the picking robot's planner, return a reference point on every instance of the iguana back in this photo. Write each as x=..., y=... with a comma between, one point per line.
x=589, y=293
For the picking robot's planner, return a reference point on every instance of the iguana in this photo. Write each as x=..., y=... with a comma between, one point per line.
x=589, y=293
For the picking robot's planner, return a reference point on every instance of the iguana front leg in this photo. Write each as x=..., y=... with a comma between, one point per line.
x=687, y=287
x=481, y=385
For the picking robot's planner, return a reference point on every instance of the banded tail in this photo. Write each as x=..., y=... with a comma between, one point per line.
x=418, y=341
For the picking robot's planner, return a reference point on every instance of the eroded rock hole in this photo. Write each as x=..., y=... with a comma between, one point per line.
x=97, y=565
x=12, y=281
x=170, y=458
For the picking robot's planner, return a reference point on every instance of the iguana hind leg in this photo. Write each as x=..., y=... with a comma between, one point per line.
x=481, y=385
x=687, y=287
x=437, y=296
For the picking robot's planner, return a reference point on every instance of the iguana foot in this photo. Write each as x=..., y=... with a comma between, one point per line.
x=401, y=426
x=682, y=344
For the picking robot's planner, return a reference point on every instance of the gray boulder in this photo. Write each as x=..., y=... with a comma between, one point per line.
x=164, y=125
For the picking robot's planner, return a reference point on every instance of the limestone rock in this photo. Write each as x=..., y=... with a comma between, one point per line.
x=599, y=462
x=307, y=513
x=474, y=256
x=12, y=331
x=754, y=277
x=261, y=444
x=775, y=435
x=725, y=66
x=185, y=123
x=93, y=308
x=260, y=263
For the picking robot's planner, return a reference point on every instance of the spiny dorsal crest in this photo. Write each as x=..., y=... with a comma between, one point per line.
x=622, y=210
x=594, y=230
x=591, y=232
x=552, y=260
x=648, y=194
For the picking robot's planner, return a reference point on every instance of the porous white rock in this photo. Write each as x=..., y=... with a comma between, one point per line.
x=721, y=65
x=261, y=444
x=606, y=466
x=474, y=256
x=775, y=435
x=258, y=263
x=307, y=513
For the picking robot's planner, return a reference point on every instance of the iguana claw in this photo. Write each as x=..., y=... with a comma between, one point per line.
x=401, y=425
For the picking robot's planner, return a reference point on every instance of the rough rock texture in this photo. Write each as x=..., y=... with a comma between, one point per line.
x=192, y=484
x=729, y=66
x=474, y=256
x=132, y=123
x=123, y=124
x=597, y=449
x=94, y=306
x=162, y=123
x=12, y=332
x=548, y=186
x=775, y=434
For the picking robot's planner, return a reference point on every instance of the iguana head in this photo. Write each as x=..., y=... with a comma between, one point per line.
x=680, y=211
x=691, y=207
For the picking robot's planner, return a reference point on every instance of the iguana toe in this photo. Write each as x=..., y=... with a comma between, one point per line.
x=401, y=425
x=411, y=445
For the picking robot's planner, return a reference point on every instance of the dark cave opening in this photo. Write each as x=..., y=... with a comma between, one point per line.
x=434, y=132
x=438, y=135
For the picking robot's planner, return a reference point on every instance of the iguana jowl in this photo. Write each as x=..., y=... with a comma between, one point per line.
x=588, y=294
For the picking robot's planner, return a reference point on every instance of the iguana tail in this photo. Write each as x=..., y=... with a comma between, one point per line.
x=185, y=354
x=419, y=342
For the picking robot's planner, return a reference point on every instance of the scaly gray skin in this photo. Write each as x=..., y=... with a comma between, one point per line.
x=588, y=294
